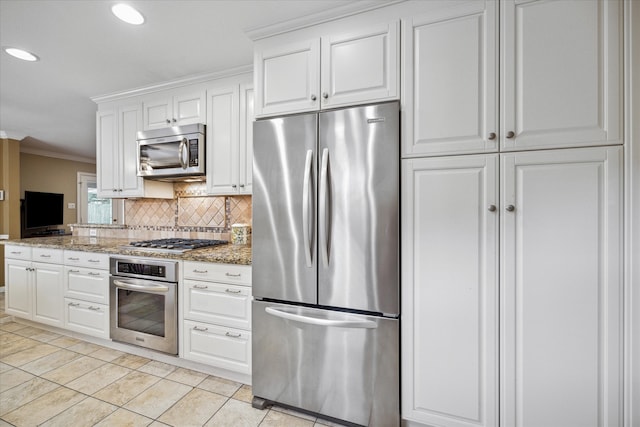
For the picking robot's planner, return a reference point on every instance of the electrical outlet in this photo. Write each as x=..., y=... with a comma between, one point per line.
x=1, y=194
x=71, y=205
x=93, y=232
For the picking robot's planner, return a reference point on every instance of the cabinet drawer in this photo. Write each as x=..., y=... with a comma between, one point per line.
x=17, y=252
x=87, y=259
x=225, y=273
x=49, y=255
x=87, y=284
x=227, y=305
x=225, y=348
x=87, y=318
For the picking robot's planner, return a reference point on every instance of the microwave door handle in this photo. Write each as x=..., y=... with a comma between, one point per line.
x=183, y=155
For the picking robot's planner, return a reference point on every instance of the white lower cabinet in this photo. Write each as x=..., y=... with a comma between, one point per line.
x=216, y=307
x=34, y=289
x=222, y=347
x=87, y=318
x=86, y=293
x=511, y=304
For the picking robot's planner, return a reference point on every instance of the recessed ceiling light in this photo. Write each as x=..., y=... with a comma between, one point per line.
x=21, y=54
x=128, y=14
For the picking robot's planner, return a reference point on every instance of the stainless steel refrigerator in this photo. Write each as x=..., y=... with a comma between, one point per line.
x=326, y=263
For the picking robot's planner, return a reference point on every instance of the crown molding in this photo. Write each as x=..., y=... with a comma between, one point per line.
x=349, y=9
x=172, y=84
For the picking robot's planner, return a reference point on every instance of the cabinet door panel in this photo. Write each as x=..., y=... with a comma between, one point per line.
x=561, y=83
x=130, y=120
x=18, y=288
x=157, y=113
x=450, y=332
x=188, y=108
x=561, y=288
x=222, y=140
x=47, y=297
x=450, y=80
x=288, y=78
x=246, y=138
x=361, y=66
x=107, y=153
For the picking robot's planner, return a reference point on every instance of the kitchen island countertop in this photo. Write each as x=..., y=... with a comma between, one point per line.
x=224, y=254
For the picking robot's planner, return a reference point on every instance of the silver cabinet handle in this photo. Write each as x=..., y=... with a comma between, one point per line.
x=306, y=238
x=231, y=291
x=511, y=208
x=201, y=271
x=91, y=273
x=325, y=95
x=324, y=189
x=45, y=256
x=73, y=259
x=200, y=287
x=229, y=334
x=73, y=304
x=92, y=308
x=74, y=271
x=16, y=252
x=93, y=260
x=233, y=275
x=492, y=208
x=195, y=328
x=313, y=97
x=492, y=136
x=510, y=134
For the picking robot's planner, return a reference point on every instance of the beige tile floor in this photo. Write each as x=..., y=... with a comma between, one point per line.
x=53, y=380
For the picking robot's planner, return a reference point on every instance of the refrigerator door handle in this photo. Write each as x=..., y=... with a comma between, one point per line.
x=305, y=209
x=324, y=188
x=347, y=323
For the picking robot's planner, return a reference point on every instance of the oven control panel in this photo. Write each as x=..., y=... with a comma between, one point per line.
x=166, y=271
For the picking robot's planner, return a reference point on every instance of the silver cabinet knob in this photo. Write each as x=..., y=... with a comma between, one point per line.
x=492, y=136
x=492, y=208
x=234, y=186
x=510, y=134
x=325, y=95
x=168, y=121
x=511, y=208
x=173, y=120
x=313, y=97
x=241, y=185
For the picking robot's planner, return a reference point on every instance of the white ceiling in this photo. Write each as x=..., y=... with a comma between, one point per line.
x=85, y=51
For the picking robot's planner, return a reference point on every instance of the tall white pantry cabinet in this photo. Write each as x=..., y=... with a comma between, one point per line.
x=512, y=191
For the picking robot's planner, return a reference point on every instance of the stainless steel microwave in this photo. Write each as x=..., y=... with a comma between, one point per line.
x=172, y=154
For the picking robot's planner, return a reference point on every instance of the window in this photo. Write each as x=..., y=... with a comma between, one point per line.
x=95, y=210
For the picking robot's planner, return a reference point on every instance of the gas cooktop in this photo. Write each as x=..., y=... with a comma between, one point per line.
x=173, y=245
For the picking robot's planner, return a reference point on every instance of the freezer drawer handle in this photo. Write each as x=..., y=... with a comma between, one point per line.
x=305, y=209
x=359, y=324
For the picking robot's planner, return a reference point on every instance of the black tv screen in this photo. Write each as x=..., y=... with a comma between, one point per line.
x=43, y=209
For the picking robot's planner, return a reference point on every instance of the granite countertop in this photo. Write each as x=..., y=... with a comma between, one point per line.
x=224, y=254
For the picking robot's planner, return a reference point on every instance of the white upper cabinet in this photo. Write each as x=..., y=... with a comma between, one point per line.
x=561, y=74
x=175, y=109
x=556, y=65
x=356, y=67
x=229, y=139
x=117, y=158
x=288, y=77
x=450, y=80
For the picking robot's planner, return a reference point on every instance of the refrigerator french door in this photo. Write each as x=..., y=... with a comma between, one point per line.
x=325, y=263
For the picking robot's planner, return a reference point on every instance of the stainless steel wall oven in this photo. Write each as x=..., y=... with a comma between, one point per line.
x=143, y=302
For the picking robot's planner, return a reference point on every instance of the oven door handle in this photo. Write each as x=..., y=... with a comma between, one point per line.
x=141, y=286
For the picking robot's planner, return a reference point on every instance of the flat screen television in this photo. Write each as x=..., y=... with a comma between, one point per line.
x=43, y=209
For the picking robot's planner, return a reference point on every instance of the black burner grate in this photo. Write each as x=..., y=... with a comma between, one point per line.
x=174, y=243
